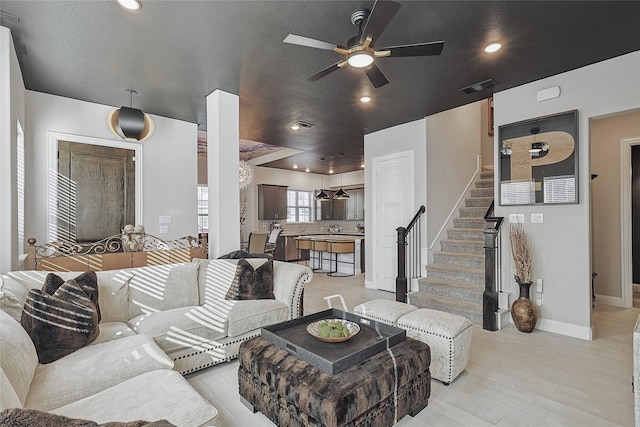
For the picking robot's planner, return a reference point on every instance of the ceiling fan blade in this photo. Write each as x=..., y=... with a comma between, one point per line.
x=376, y=77
x=419, y=49
x=322, y=73
x=381, y=14
x=308, y=42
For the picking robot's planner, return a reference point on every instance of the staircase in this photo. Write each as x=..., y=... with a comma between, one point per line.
x=455, y=280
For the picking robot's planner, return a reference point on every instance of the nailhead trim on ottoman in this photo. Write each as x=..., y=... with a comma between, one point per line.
x=382, y=310
x=448, y=335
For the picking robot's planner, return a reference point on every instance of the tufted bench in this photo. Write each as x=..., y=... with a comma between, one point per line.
x=448, y=335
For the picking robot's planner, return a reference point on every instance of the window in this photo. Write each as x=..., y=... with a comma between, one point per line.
x=20, y=178
x=299, y=206
x=203, y=209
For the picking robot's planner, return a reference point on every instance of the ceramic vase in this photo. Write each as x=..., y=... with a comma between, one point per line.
x=524, y=312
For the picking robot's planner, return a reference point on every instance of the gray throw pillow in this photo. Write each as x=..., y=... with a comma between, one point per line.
x=250, y=284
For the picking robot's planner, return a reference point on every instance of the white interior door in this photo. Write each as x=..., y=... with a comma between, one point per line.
x=392, y=205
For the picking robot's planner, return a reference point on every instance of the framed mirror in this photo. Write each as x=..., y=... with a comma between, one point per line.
x=539, y=161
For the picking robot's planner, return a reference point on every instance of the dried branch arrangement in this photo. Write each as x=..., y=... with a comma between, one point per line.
x=521, y=251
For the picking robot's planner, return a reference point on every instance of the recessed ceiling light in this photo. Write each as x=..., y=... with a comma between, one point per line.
x=295, y=126
x=130, y=4
x=365, y=99
x=492, y=47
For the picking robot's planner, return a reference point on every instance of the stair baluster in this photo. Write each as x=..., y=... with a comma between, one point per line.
x=415, y=258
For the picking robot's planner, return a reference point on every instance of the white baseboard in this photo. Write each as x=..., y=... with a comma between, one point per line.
x=562, y=328
x=609, y=300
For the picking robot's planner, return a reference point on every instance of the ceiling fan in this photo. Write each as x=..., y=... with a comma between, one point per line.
x=360, y=51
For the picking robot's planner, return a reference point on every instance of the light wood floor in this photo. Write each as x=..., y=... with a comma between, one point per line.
x=512, y=379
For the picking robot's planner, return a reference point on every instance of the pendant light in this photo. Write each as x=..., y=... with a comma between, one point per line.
x=341, y=194
x=322, y=196
x=129, y=123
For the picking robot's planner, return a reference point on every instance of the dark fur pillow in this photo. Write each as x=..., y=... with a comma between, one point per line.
x=252, y=284
x=61, y=323
x=88, y=281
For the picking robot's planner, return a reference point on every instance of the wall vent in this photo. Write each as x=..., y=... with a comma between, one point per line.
x=477, y=87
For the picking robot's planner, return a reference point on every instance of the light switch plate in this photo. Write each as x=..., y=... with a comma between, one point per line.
x=515, y=218
x=537, y=218
x=164, y=219
x=164, y=229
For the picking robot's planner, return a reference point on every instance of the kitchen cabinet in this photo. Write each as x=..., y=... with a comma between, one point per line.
x=272, y=202
x=355, y=205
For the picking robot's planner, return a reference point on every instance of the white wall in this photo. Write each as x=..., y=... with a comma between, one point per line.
x=410, y=136
x=12, y=110
x=561, y=245
x=169, y=156
x=453, y=146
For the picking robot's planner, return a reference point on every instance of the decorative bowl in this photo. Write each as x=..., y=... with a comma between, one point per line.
x=312, y=328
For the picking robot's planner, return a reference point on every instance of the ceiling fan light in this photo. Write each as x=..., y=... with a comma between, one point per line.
x=360, y=59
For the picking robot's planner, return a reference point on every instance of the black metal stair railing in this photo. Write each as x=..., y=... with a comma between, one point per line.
x=491, y=271
x=409, y=237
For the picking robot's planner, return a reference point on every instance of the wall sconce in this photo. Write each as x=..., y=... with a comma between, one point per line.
x=129, y=123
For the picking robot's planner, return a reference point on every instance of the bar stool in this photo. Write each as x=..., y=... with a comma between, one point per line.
x=341, y=247
x=318, y=246
x=303, y=244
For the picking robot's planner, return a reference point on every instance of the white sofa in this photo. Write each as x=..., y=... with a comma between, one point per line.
x=155, y=321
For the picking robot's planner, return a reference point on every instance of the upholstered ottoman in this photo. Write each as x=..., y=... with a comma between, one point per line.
x=383, y=310
x=448, y=335
x=379, y=391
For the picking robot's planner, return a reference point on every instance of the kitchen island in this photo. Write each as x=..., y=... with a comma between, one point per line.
x=336, y=254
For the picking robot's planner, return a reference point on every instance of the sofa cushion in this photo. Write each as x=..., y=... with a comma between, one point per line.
x=33, y=279
x=12, y=297
x=162, y=287
x=158, y=394
x=17, y=417
x=18, y=357
x=113, y=288
x=250, y=283
x=214, y=278
x=61, y=323
x=110, y=331
x=182, y=327
x=92, y=369
x=8, y=396
x=245, y=316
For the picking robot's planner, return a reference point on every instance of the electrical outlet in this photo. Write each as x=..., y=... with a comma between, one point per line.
x=163, y=229
x=537, y=218
x=515, y=218
x=539, y=299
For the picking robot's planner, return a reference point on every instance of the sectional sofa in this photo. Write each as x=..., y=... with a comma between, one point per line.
x=157, y=322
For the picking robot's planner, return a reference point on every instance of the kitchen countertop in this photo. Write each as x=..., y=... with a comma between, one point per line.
x=333, y=237
x=327, y=235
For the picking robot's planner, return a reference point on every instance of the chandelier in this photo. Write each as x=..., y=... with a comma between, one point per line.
x=246, y=175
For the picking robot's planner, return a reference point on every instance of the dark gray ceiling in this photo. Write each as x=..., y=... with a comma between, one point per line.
x=174, y=53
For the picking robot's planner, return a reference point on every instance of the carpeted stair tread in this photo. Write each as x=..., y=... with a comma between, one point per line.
x=459, y=259
x=482, y=192
x=462, y=246
x=476, y=223
x=484, y=183
x=472, y=212
x=456, y=274
x=472, y=311
x=478, y=201
x=455, y=290
x=465, y=234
